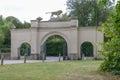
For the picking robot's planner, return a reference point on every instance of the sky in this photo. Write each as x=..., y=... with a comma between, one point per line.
x=26, y=10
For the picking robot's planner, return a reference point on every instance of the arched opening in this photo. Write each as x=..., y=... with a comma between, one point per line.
x=87, y=49
x=54, y=46
x=25, y=49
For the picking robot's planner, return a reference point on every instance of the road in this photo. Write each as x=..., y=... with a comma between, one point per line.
x=48, y=59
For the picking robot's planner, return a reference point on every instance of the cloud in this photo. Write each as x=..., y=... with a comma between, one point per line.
x=30, y=9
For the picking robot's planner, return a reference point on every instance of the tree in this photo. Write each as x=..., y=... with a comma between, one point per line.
x=1, y=37
x=1, y=32
x=4, y=32
x=26, y=24
x=89, y=13
x=17, y=22
x=64, y=17
x=111, y=49
x=5, y=26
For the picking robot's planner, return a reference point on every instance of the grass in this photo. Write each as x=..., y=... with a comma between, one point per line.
x=66, y=70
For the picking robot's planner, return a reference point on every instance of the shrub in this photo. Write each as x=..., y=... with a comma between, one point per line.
x=5, y=50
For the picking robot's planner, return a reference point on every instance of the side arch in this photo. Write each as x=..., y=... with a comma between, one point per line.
x=24, y=49
x=87, y=49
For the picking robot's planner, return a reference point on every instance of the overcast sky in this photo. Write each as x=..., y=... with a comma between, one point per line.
x=26, y=10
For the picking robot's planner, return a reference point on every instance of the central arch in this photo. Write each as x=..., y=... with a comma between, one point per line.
x=61, y=35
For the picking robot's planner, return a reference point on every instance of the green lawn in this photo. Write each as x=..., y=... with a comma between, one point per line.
x=66, y=70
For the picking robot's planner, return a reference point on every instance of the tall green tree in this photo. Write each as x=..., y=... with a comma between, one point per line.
x=111, y=49
x=17, y=22
x=1, y=32
x=4, y=32
x=5, y=26
x=89, y=13
x=1, y=37
x=26, y=25
x=64, y=17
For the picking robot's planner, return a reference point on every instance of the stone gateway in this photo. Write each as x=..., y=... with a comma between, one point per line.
x=40, y=31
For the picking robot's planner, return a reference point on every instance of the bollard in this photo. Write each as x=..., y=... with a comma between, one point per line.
x=25, y=58
x=83, y=56
x=2, y=59
x=59, y=57
x=43, y=58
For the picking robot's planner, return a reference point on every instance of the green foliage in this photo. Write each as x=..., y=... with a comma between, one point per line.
x=5, y=26
x=111, y=49
x=105, y=2
x=4, y=30
x=14, y=21
x=5, y=50
x=26, y=25
x=116, y=72
x=64, y=17
x=87, y=49
x=25, y=49
x=17, y=23
x=89, y=13
x=54, y=46
x=1, y=37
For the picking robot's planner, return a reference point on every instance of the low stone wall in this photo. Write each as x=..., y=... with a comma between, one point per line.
x=33, y=57
x=6, y=56
x=73, y=56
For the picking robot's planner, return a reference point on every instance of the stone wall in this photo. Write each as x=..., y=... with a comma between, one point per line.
x=6, y=56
